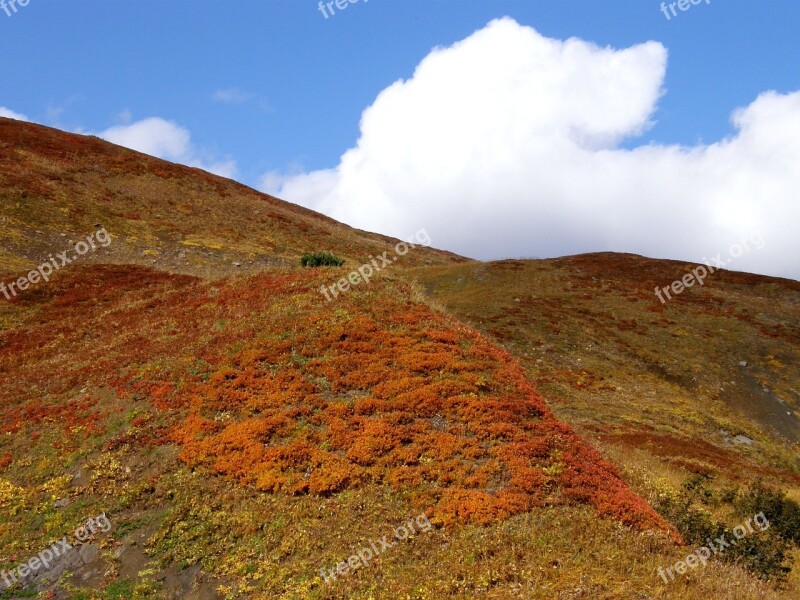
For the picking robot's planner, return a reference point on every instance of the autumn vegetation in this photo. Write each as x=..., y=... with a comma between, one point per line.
x=560, y=428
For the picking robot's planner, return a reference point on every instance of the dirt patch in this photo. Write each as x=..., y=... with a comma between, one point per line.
x=758, y=403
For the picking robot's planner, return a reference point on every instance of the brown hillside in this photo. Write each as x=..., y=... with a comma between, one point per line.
x=57, y=187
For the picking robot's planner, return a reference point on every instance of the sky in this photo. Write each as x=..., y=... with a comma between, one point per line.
x=504, y=128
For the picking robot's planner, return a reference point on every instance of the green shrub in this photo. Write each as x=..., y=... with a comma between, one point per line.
x=320, y=259
x=782, y=513
x=763, y=553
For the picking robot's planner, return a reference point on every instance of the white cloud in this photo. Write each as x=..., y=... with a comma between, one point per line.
x=232, y=96
x=10, y=114
x=507, y=144
x=168, y=140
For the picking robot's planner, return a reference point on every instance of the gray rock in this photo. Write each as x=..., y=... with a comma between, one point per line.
x=73, y=559
x=743, y=440
x=88, y=553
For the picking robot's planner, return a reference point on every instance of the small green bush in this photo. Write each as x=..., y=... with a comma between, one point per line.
x=320, y=259
x=783, y=513
x=764, y=553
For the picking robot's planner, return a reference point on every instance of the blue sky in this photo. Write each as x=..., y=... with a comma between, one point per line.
x=274, y=87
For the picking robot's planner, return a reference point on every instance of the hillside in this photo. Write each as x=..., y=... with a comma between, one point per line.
x=256, y=382
x=519, y=429
x=700, y=391
x=589, y=329
x=57, y=188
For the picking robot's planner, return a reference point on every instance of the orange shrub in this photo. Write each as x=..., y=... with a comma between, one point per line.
x=265, y=383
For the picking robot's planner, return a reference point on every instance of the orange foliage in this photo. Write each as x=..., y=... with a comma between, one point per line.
x=398, y=396
x=303, y=398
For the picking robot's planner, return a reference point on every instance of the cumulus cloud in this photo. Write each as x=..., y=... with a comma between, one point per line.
x=507, y=144
x=168, y=140
x=10, y=114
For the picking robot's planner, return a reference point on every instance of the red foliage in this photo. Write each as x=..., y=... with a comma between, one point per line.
x=401, y=397
x=305, y=399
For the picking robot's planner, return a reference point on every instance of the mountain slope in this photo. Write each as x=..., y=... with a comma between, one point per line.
x=259, y=382
x=57, y=188
x=696, y=398
x=244, y=435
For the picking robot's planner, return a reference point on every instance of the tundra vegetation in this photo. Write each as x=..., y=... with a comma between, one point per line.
x=563, y=430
